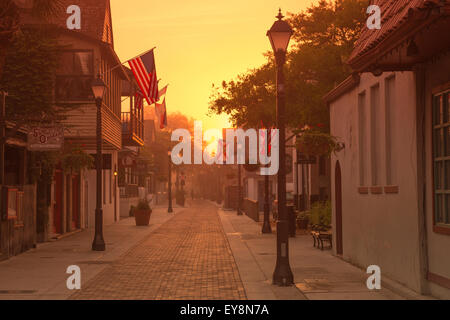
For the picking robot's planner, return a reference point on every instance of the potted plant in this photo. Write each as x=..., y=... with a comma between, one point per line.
x=142, y=213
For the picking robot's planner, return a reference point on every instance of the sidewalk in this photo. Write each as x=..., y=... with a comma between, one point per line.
x=41, y=273
x=318, y=275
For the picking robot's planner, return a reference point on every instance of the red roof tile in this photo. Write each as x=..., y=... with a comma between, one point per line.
x=394, y=14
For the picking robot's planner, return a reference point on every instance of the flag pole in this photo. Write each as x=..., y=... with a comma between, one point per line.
x=139, y=55
x=121, y=64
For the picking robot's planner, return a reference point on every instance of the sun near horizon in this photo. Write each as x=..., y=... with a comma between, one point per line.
x=198, y=43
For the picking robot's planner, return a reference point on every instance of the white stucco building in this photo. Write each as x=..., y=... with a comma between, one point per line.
x=391, y=183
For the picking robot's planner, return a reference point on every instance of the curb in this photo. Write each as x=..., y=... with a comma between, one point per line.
x=403, y=291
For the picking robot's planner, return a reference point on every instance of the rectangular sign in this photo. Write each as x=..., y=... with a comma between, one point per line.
x=45, y=138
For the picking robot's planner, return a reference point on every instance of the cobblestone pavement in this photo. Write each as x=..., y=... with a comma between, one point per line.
x=188, y=257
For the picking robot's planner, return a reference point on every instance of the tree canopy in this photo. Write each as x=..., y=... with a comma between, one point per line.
x=10, y=19
x=324, y=36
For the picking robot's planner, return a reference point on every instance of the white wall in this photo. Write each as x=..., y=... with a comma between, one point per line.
x=107, y=184
x=379, y=229
x=437, y=73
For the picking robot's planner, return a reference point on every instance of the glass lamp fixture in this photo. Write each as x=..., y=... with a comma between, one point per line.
x=280, y=34
x=98, y=88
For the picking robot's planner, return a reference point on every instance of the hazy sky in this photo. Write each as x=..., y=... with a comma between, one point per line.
x=199, y=42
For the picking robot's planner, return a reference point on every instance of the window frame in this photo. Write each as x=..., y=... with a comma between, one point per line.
x=74, y=75
x=376, y=175
x=390, y=108
x=362, y=139
x=442, y=91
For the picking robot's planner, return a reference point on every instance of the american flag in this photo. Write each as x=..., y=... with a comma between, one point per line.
x=161, y=113
x=139, y=100
x=162, y=92
x=144, y=71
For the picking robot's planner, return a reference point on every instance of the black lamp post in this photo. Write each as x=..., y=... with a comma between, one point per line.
x=219, y=185
x=279, y=36
x=99, y=88
x=170, y=209
x=267, y=228
x=266, y=225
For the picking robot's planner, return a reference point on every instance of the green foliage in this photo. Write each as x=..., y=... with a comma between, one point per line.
x=323, y=39
x=72, y=159
x=42, y=165
x=320, y=213
x=249, y=101
x=316, y=143
x=143, y=205
x=28, y=77
x=75, y=159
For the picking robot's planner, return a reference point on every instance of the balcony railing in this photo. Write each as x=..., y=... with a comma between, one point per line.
x=132, y=129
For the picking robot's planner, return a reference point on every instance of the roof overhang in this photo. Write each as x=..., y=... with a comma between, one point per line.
x=345, y=86
x=427, y=28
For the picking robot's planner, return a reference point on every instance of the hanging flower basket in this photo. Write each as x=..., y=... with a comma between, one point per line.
x=316, y=143
x=75, y=159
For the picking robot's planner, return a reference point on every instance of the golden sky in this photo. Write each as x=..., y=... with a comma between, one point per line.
x=199, y=42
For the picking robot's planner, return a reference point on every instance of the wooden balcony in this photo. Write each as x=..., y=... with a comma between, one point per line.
x=133, y=120
x=132, y=130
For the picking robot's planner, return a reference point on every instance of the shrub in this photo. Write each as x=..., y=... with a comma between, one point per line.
x=143, y=205
x=321, y=213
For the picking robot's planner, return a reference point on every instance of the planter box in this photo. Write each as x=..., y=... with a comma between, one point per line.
x=142, y=217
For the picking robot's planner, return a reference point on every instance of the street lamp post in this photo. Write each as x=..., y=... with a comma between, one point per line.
x=266, y=226
x=219, y=186
x=170, y=209
x=279, y=36
x=99, y=88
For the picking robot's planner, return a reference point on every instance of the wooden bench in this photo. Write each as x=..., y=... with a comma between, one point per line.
x=320, y=237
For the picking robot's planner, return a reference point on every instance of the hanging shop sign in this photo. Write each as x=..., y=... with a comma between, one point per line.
x=45, y=138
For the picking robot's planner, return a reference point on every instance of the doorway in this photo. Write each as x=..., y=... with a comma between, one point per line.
x=58, y=204
x=338, y=204
x=86, y=204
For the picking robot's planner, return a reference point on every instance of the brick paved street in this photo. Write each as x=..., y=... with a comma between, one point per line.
x=188, y=257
